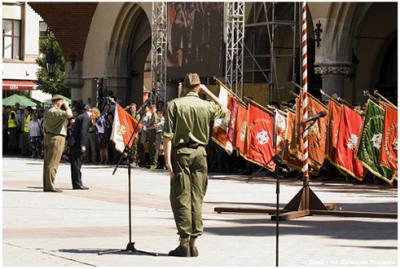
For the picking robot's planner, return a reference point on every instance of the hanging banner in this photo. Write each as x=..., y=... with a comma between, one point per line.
x=334, y=116
x=370, y=144
x=317, y=133
x=222, y=131
x=241, y=129
x=389, y=147
x=260, y=147
x=280, y=127
x=288, y=158
x=348, y=139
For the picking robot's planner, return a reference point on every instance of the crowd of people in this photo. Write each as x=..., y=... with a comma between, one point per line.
x=23, y=134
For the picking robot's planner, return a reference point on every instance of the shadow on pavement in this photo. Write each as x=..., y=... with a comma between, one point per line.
x=338, y=229
x=371, y=247
x=112, y=251
x=9, y=190
x=389, y=207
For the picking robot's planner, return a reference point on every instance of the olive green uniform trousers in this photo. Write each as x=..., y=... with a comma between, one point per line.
x=153, y=150
x=53, y=149
x=188, y=188
x=134, y=149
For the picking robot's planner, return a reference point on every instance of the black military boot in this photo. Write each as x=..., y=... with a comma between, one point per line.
x=182, y=250
x=194, y=252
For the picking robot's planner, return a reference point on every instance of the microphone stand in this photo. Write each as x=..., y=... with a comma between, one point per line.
x=276, y=160
x=130, y=248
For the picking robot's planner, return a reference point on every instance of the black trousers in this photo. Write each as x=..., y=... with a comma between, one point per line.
x=76, y=164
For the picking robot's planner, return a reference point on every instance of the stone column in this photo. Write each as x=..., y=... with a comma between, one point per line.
x=333, y=75
x=73, y=78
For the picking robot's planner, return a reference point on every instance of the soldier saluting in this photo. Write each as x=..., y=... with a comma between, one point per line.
x=186, y=133
x=55, y=131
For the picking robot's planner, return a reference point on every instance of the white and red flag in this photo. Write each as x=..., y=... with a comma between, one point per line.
x=124, y=130
x=222, y=131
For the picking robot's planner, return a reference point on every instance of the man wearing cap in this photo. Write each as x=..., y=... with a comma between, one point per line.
x=186, y=133
x=55, y=131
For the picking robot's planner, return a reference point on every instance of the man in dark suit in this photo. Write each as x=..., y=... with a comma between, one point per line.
x=78, y=143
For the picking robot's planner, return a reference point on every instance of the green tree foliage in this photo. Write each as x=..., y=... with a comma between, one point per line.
x=52, y=85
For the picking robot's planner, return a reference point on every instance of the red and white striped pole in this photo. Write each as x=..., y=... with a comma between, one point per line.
x=305, y=88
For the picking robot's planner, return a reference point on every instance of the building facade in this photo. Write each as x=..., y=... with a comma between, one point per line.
x=22, y=30
x=357, y=49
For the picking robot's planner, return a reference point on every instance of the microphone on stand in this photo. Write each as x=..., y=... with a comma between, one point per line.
x=314, y=117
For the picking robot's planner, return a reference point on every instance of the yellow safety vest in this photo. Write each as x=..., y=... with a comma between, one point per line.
x=26, y=123
x=12, y=123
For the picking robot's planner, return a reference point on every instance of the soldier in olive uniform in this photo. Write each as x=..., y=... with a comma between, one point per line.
x=131, y=109
x=152, y=134
x=186, y=133
x=55, y=131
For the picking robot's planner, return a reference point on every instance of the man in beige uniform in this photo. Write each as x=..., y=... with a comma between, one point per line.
x=55, y=131
x=186, y=133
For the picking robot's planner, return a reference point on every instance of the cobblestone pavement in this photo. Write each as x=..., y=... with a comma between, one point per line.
x=70, y=228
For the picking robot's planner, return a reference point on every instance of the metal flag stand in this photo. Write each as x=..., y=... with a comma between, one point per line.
x=130, y=247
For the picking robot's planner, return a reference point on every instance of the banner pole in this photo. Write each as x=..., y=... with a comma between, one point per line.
x=305, y=204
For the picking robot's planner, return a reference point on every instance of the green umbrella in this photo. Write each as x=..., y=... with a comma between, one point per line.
x=48, y=102
x=21, y=99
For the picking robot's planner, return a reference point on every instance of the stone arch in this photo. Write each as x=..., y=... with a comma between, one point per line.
x=129, y=48
x=374, y=35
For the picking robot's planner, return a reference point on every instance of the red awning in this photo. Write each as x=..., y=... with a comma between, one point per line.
x=19, y=85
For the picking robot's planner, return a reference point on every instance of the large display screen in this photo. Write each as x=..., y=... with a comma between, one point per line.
x=195, y=39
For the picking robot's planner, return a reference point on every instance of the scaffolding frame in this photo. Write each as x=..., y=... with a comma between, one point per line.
x=159, y=50
x=272, y=24
x=235, y=16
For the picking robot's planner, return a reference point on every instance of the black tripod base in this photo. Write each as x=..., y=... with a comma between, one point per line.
x=130, y=249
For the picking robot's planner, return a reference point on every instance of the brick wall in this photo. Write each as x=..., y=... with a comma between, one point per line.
x=70, y=23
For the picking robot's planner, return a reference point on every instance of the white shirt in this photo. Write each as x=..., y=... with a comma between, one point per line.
x=34, y=128
x=100, y=127
x=160, y=125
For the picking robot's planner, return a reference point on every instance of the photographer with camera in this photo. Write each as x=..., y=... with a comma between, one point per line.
x=55, y=131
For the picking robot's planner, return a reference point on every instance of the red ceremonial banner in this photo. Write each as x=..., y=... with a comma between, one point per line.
x=260, y=144
x=123, y=129
x=222, y=129
x=388, y=155
x=317, y=133
x=334, y=116
x=241, y=129
x=348, y=139
x=287, y=157
x=279, y=129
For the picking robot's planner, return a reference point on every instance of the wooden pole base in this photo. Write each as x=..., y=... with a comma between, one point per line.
x=305, y=199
